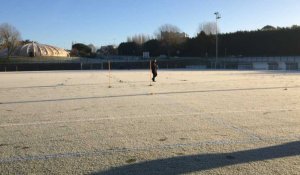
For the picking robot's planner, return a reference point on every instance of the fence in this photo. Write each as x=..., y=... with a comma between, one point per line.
x=271, y=63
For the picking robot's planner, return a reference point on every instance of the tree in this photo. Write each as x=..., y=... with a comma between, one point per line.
x=171, y=34
x=153, y=47
x=209, y=28
x=80, y=49
x=171, y=38
x=9, y=38
x=107, y=50
x=130, y=49
x=139, y=39
x=295, y=27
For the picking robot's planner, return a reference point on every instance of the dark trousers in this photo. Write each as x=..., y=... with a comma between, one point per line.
x=154, y=75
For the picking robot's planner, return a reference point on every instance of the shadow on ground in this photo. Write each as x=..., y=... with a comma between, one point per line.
x=147, y=94
x=196, y=163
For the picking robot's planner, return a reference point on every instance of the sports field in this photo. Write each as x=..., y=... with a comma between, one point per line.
x=188, y=122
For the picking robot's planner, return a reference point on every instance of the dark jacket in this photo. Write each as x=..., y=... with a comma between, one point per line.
x=154, y=67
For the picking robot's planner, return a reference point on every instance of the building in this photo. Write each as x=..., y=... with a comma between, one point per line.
x=34, y=49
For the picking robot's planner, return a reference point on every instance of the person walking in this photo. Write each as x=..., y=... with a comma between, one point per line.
x=154, y=68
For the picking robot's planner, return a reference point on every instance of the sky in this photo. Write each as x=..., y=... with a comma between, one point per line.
x=104, y=22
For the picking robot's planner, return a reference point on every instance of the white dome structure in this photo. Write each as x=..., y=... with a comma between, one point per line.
x=39, y=50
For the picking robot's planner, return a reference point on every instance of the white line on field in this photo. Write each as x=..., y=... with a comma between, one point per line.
x=141, y=116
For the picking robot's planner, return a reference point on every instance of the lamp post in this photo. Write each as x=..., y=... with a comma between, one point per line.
x=218, y=16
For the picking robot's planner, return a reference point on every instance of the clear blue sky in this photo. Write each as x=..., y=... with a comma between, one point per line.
x=102, y=22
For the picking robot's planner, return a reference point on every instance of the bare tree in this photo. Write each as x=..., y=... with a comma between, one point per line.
x=209, y=28
x=139, y=39
x=170, y=36
x=9, y=38
x=167, y=32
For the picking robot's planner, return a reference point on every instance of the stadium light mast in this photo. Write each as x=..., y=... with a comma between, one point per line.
x=218, y=16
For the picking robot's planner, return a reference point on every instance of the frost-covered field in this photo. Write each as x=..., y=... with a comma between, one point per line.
x=198, y=122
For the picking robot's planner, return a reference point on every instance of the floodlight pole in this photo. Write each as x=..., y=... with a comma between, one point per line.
x=218, y=16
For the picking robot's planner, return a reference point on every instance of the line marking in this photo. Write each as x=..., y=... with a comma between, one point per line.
x=141, y=117
x=144, y=94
